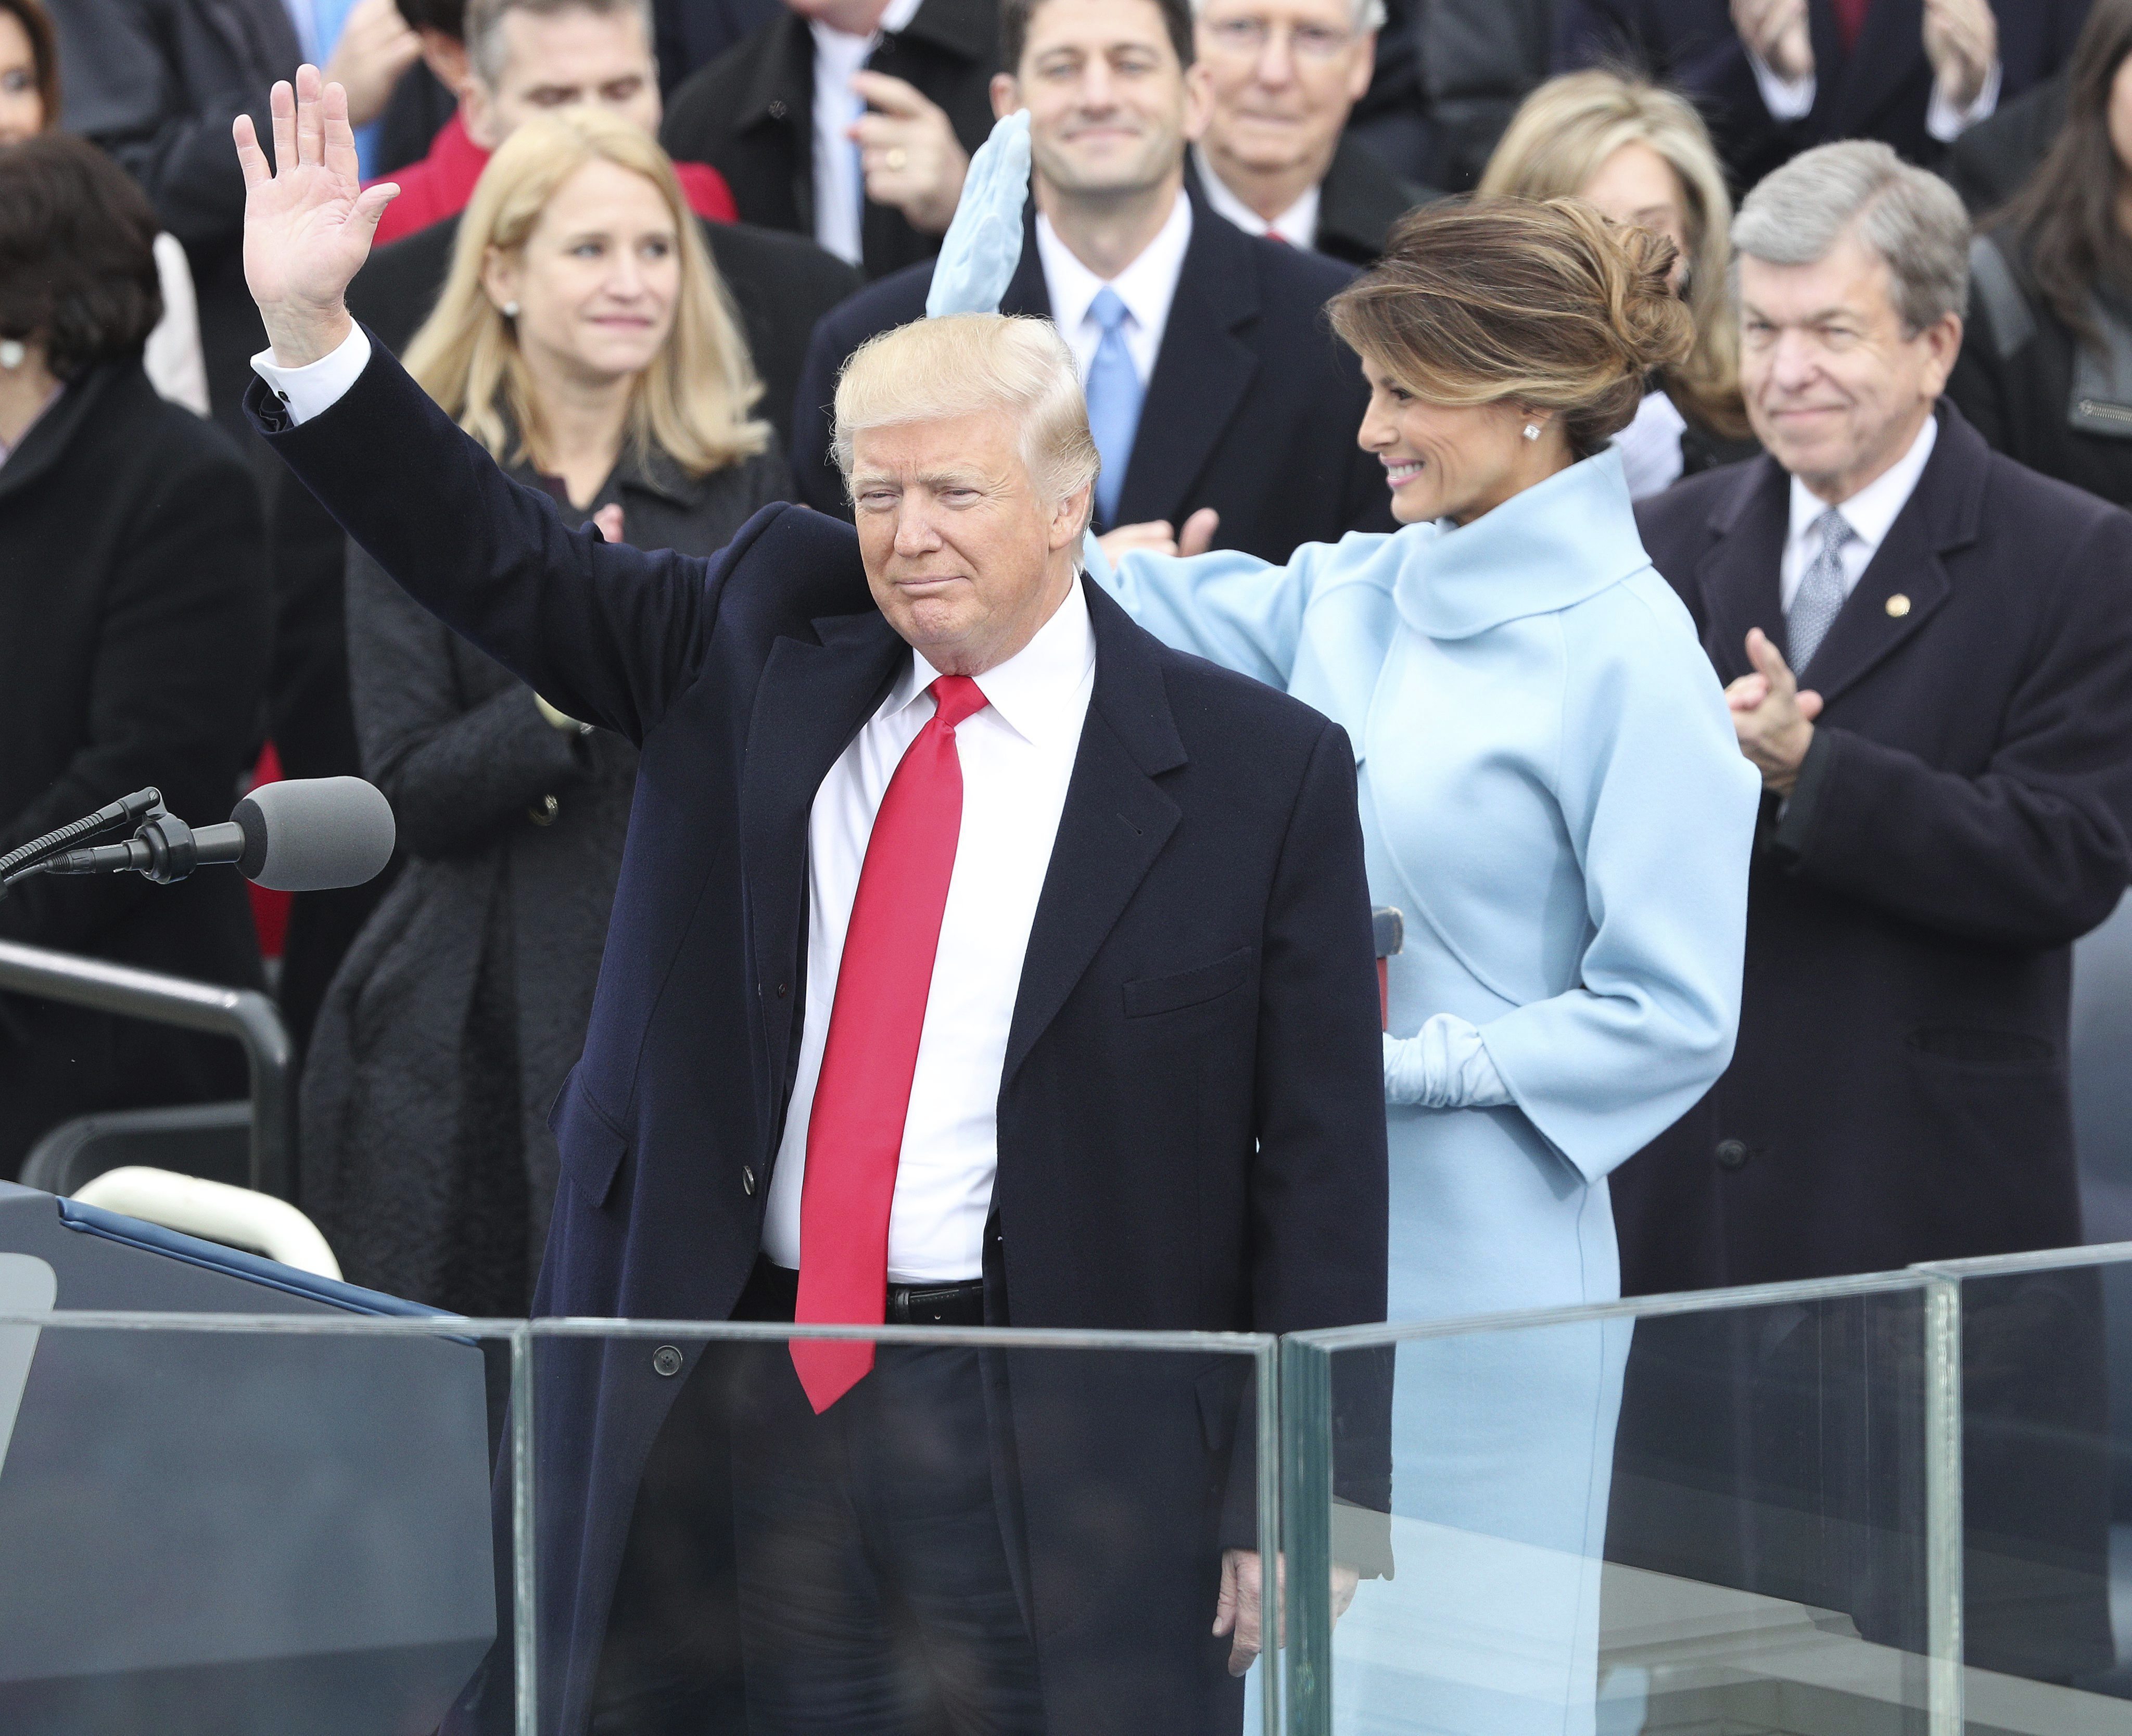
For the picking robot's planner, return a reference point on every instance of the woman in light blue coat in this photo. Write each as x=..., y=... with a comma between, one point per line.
x=1551, y=792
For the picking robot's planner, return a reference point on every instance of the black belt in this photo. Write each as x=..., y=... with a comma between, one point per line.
x=776, y=1288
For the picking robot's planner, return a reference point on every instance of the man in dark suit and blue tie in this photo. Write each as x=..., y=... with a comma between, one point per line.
x=1212, y=379
x=976, y=960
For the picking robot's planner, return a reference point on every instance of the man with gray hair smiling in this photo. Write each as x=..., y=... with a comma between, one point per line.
x=976, y=960
x=1929, y=649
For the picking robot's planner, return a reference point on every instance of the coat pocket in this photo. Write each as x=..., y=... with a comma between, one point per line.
x=1147, y=996
x=590, y=1146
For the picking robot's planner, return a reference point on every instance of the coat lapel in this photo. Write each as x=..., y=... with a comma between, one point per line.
x=1202, y=371
x=1882, y=60
x=1941, y=515
x=812, y=700
x=1738, y=573
x=1027, y=293
x=1115, y=821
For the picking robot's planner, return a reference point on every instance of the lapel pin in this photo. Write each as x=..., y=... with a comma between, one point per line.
x=1899, y=605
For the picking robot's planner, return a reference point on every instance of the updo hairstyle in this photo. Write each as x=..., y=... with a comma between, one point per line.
x=1544, y=304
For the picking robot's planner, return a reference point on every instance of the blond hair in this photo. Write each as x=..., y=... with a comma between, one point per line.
x=691, y=403
x=967, y=364
x=1556, y=142
x=1544, y=305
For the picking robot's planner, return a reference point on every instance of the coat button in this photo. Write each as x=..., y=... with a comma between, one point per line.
x=783, y=989
x=1731, y=1154
x=748, y=1182
x=666, y=1360
x=778, y=110
x=544, y=811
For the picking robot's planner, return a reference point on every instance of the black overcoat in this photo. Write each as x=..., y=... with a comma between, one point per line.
x=1252, y=407
x=133, y=651
x=1899, y=1092
x=1190, y=1130
x=749, y=114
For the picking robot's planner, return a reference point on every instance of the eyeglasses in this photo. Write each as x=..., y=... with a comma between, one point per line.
x=1247, y=37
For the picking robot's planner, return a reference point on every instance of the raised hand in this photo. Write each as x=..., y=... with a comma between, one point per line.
x=307, y=219
x=1777, y=31
x=1772, y=715
x=1960, y=42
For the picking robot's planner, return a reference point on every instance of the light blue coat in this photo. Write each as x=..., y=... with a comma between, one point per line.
x=1552, y=794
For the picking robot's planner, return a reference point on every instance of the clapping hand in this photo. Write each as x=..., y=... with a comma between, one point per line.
x=1772, y=717
x=1157, y=537
x=908, y=151
x=1777, y=33
x=307, y=219
x=1962, y=42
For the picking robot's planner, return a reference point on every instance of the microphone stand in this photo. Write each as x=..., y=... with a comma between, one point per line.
x=141, y=805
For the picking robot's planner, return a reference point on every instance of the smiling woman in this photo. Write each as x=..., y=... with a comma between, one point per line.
x=582, y=336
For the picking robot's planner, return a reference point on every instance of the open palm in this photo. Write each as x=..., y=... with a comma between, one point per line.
x=307, y=220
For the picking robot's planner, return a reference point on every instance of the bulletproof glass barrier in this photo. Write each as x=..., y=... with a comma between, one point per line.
x=1732, y=1512
x=754, y=1526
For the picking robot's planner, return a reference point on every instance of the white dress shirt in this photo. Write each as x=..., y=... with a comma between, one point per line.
x=839, y=183
x=1297, y=226
x=1017, y=757
x=1147, y=287
x=1791, y=100
x=1651, y=457
x=1870, y=513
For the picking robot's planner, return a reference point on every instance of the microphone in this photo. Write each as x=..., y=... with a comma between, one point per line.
x=300, y=835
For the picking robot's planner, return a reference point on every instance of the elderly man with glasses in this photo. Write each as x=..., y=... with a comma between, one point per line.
x=1274, y=160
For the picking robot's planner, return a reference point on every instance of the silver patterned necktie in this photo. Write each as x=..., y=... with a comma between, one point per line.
x=1820, y=598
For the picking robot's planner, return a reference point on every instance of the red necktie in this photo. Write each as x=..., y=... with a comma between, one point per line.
x=1849, y=20
x=855, y=1135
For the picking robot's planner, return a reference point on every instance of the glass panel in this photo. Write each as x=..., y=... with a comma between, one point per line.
x=2047, y=1493
x=997, y=1532
x=220, y=1526
x=1712, y=1517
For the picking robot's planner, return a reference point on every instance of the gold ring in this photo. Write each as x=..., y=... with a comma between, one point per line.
x=897, y=156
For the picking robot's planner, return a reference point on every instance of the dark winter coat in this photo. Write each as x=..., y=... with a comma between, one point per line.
x=133, y=624
x=427, y=1158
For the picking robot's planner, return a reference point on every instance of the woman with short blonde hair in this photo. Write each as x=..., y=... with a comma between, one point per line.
x=584, y=338
x=1641, y=155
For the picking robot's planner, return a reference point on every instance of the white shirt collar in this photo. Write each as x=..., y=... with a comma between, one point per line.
x=1298, y=225
x=1871, y=512
x=1033, y=690
x=1146, y=286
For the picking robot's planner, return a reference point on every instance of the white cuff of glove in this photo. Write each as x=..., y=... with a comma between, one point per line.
x=1445, y=1065
x=313, y=389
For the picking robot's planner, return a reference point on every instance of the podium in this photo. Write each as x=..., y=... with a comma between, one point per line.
x=229, y=1532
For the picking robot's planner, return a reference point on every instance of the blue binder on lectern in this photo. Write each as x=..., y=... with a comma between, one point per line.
x=228, y=1533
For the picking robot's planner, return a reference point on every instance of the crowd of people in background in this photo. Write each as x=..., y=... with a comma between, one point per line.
x=1883, y=459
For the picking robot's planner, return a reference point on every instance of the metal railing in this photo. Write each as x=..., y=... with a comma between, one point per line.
x=244, y=1014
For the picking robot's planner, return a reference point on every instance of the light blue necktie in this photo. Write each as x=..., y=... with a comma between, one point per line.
x=1821, y=595
x=1115, y=393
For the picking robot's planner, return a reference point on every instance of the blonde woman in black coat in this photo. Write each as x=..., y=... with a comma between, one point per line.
x=133, y=627
x=584, y=337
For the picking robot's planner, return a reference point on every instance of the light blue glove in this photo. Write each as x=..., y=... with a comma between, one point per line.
x=983, y=250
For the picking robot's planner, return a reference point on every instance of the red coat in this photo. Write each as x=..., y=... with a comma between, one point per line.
x=440, y=185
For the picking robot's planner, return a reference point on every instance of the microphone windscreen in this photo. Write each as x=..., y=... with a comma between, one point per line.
x=306, y=834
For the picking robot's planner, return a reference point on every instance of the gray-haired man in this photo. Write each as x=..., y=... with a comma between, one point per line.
x=1930, y=653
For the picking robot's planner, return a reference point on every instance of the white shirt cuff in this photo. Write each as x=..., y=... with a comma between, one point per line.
x=316, y=387
x=1947, y=124
x=1445, y=1065
x=1787, y=99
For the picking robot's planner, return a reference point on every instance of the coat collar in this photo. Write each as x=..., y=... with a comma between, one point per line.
x=1738, y=571
x=1555, y=545
x=47, y=438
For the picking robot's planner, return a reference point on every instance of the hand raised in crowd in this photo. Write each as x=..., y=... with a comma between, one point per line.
x=308, y=220
x=908, y=150
x=1777, y=33
x=1772, y=717
x=1962, y=42
x=375, y=47
x=1240, y=1609
x=1157, y=537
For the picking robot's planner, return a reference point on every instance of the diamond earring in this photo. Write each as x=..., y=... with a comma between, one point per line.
x=1532, y=430
x=510, y=310
x=11, y=354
